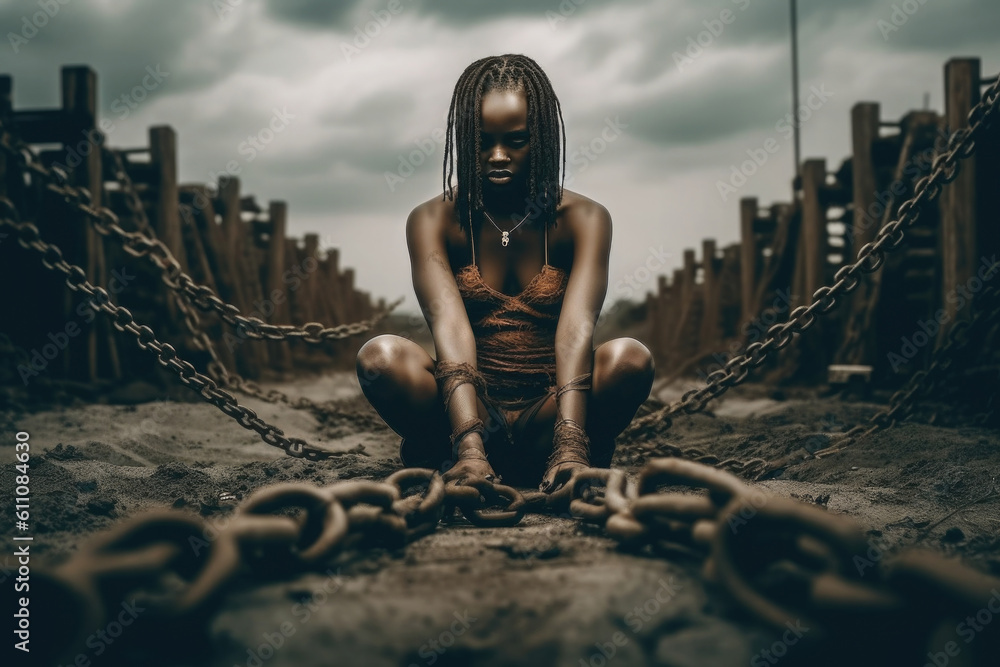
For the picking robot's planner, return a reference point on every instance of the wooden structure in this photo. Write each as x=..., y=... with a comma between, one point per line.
x=222, y=238
x=714, y=306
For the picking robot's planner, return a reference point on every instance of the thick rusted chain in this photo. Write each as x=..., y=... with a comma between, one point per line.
x=746, y=538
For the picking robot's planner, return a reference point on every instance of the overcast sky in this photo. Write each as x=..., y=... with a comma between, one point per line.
x=692, y=86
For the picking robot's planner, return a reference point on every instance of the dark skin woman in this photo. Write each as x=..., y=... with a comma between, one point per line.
x=510, y=270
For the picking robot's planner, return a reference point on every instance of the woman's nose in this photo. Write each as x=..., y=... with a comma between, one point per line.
x=498, y=155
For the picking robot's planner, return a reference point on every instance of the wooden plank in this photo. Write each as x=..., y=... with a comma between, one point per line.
x=748, y=257
x=959, y=238
x=251, y=356
x=864, y=132
x=79, y=103
x=281, y=357
x=711, y=313
x=814, y=237
x=166, y=216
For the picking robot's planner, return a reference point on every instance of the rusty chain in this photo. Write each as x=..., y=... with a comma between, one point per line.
x=779, y=559
x=923, y=382
x=140, y=245
x=29, y=237
x=216, y=368
x=871, y=256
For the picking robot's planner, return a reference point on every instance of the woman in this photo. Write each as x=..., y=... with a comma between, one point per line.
x=517, y=388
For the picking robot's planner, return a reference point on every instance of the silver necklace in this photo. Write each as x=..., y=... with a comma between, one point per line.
x=505, y=238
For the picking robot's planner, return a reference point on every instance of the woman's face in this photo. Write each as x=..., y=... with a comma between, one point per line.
x=504, y=141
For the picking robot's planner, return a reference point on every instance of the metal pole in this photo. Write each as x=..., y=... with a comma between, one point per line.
x=795, y=89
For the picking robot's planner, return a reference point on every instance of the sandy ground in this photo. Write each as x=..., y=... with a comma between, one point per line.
x=551, y=591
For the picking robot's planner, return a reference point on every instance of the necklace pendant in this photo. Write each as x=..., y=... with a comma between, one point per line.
x=505, y=239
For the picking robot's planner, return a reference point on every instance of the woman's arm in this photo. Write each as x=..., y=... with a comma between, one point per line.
x=590, y=224
x=441, y=303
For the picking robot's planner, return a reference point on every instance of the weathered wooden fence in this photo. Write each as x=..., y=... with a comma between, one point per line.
x=717, y=304
x=224, y=239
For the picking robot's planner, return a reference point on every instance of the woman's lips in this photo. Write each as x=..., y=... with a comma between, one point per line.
x=500, y=176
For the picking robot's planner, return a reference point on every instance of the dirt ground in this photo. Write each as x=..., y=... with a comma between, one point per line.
x=551, y=591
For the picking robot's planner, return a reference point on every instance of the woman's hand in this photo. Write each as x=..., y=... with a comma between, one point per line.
x=469, y=469
x=471, y=464
x=558, y=475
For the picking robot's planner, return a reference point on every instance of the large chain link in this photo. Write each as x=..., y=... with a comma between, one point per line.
x=783, y=561
x=871, y=256
x=140, y=245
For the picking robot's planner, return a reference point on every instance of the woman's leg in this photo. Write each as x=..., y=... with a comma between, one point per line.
x=621, y=382
x=397, y=378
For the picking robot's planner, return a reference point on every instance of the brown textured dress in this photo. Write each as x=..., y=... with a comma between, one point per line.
x=515, y=338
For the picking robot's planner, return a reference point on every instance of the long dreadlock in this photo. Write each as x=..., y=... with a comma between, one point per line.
x=545, y=128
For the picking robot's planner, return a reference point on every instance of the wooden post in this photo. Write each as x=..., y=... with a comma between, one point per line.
x=281, y=356
x=748, y=257
x=252, y=355
x=864, y=226
x=311, y=283
x=710, y=289
x=6, y=108
x=864, y=130
x=350, y=297
x=814, y=236
x=959, y=238
x=335, y=297
x=79, y=105
x=166, y=217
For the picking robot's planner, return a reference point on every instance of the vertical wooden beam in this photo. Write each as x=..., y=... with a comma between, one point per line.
x=275, y=260
x=748, y=257
x=311, y=283
x=710, y=290
x=864, y=225
x=959, y=238
x=6, y=109
x=250, y=354
x=79, y=105
x=166, y=217
x=814, y=237
x=335, y=297
x=864, y=132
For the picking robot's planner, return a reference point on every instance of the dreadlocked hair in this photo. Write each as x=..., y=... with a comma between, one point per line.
x=546, y=130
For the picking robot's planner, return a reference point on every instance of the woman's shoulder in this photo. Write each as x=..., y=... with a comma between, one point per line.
x=431, y=216
x=581, y=213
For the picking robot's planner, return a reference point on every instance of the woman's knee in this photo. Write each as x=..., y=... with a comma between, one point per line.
x=383, y=356
x=623, y=360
